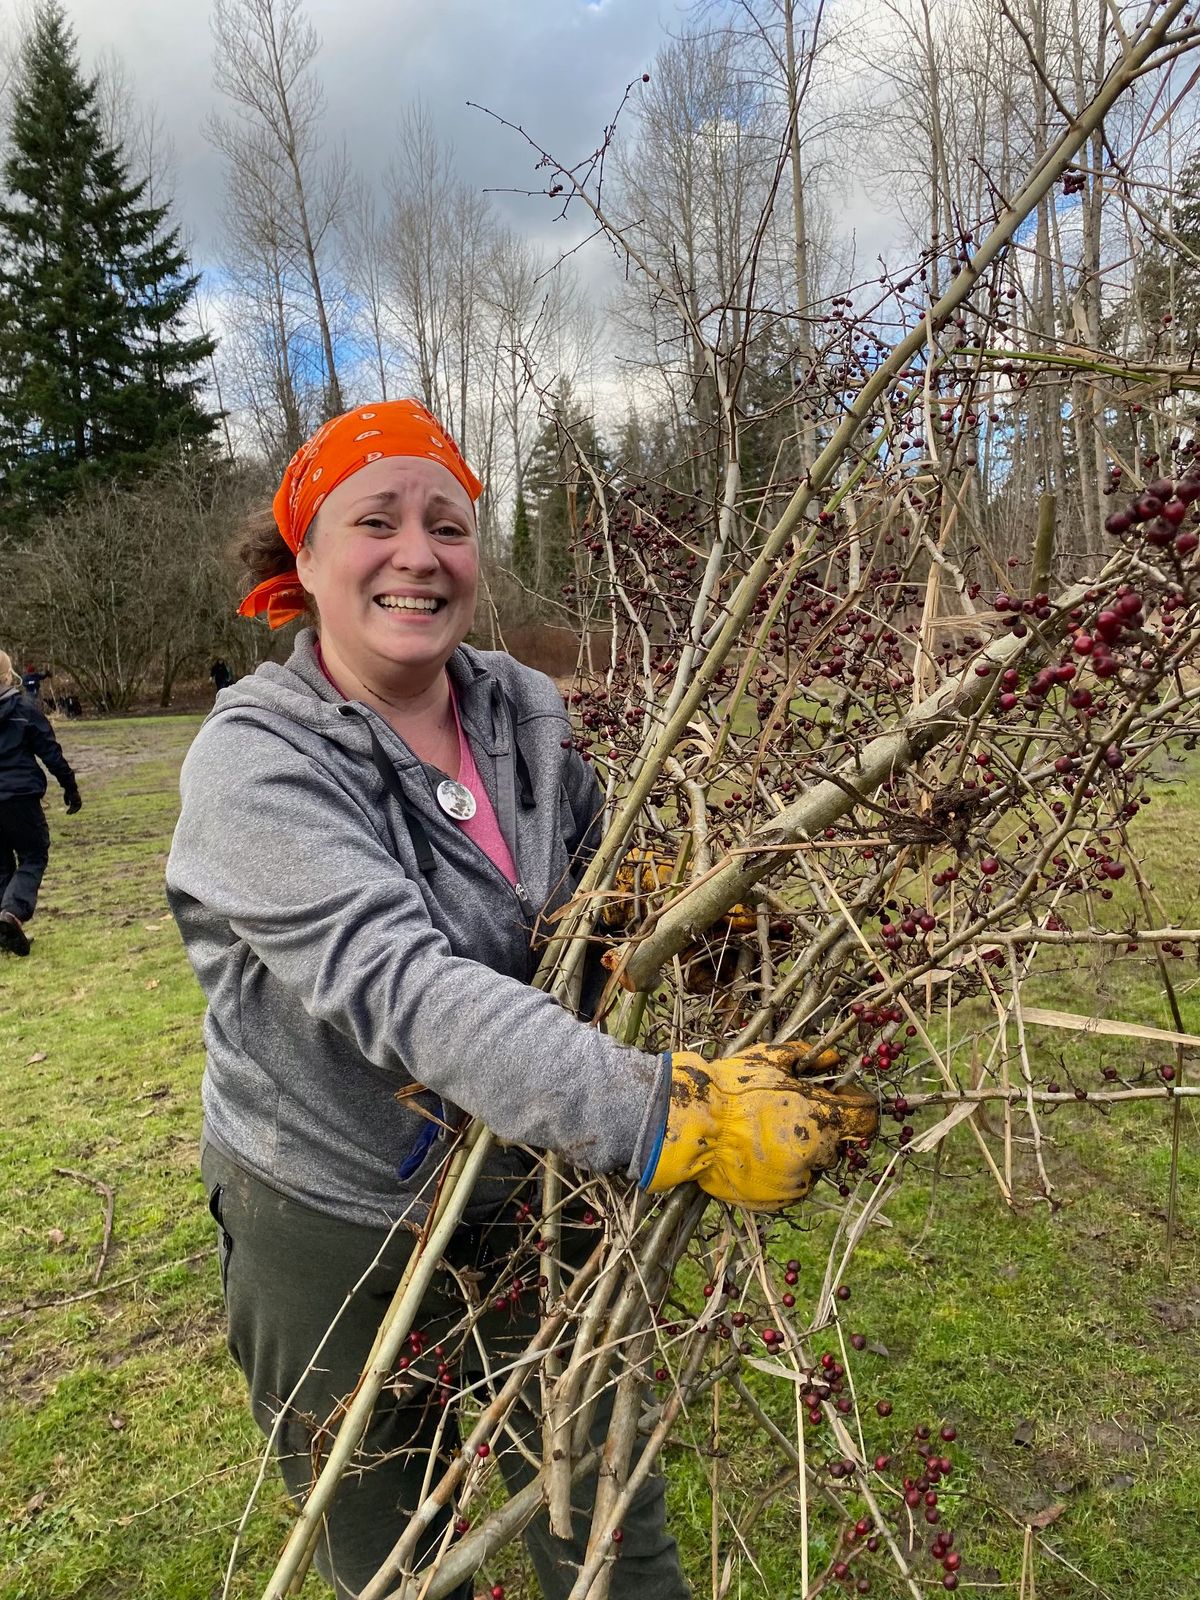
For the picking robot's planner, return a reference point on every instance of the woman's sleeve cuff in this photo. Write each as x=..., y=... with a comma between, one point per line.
x=654, y=1127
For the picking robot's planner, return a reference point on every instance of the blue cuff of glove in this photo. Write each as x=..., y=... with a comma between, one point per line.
x=414, y=1158
x=656, y=1126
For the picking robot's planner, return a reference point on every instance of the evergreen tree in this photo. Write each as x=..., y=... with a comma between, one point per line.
x=558, y=491
x=98, y=377
x=1166, y=282
x=521, y=555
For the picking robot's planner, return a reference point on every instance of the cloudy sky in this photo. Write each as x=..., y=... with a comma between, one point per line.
x=559, y=66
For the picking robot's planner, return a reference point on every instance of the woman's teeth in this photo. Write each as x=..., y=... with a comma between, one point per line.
x=404, y=602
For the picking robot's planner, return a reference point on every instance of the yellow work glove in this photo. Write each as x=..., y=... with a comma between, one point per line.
x=748, y=1132
x=646, y=872
x=641, y=873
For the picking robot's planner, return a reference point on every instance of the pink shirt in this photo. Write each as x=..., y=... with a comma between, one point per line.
x=482, y=827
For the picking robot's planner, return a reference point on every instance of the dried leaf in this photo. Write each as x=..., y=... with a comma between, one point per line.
x=39, y=1055
x=776, y=1369
x=934, y=1136
x=1043, y=1519
x=1108, y=1026
x=151, y=983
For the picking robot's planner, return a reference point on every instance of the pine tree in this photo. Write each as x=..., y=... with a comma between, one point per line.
x=521, y=556
x=558, y=491
x=98, y=376
x=1163, y=312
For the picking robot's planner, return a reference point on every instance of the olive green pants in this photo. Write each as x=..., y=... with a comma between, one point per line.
x=286, y=1271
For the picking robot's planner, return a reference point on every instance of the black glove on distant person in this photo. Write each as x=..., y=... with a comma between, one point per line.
x=72, y=800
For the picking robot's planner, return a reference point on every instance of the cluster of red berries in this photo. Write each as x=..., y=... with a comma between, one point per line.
x=444, y=1380
x=1158, y=514
x=919, y=1493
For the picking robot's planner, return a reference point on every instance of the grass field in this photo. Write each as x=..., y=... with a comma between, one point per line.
x=1053, y=1341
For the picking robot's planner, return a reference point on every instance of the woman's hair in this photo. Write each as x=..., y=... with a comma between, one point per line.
x=6, y=671
x=262, y=553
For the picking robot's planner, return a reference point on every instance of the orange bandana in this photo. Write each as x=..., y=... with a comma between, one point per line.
x=333, y=454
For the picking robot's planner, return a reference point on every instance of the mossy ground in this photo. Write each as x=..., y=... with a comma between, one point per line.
x=125, y=1447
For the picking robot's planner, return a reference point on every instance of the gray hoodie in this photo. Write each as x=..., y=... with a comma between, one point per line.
x=343, y=959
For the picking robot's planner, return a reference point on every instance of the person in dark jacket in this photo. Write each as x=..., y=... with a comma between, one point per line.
x=221, y=674
x=369, y=836
x=32, y=680
x=26, y=739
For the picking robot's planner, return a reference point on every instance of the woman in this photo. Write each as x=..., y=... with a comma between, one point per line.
x=368, y=835
x=26, y=739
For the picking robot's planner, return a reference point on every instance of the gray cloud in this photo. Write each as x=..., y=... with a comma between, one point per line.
x=557, y=66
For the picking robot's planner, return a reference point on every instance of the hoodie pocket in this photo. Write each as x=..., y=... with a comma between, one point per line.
x=224, y=1239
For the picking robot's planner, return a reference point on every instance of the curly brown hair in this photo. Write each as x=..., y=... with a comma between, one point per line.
x=261, y=551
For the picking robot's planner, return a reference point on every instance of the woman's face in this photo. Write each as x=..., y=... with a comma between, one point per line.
x=392, y=562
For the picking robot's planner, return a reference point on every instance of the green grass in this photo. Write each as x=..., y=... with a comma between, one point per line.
x=125, y=1447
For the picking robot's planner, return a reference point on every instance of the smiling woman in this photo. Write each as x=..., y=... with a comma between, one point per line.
x=370, y=838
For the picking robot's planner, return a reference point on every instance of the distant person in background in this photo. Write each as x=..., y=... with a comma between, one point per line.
x=220, y=674
x=26, y=739
x=31, y=681
x=72, y=707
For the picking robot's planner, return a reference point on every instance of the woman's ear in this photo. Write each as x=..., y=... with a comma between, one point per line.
x=304, y=565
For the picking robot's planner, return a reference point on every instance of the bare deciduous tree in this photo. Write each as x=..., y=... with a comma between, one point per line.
x=265, y=51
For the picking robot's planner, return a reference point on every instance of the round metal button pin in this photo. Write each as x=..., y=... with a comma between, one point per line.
x=456, y=800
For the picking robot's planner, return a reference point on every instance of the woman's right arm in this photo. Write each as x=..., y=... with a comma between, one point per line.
x=276, y=852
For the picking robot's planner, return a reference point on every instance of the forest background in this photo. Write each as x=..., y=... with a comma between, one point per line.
x=147, y=401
